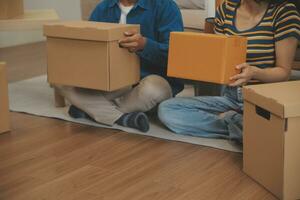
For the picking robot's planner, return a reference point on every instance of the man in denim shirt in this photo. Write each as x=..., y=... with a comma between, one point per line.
x=157, y=18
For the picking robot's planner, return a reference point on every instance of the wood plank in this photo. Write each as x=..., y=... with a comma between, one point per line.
x=65, y=186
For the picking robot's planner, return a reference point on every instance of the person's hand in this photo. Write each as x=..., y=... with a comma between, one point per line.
x=247, y=73
x=133, y=41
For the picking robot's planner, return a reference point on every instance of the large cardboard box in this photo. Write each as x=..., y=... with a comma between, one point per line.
x=205, y=57
x=11, y=8
x=87, y=55
x=272, y=137
x=4, y=112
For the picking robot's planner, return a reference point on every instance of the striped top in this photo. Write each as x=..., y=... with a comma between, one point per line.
x=279, y=22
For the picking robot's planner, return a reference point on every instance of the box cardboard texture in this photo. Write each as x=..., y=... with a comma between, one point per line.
x=11, y=8
x=205, y=57
x=4, y=112
x=272, y=137
x=87, y=7
x=87, y=55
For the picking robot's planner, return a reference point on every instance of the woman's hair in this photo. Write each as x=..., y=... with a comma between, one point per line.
x=296, y=2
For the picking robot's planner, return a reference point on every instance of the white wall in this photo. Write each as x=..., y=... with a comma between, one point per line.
x=66, y=9
x=211, y=8
x=70, y=9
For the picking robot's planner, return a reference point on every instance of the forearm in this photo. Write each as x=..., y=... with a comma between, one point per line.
x=155, y=52
x=270, y=75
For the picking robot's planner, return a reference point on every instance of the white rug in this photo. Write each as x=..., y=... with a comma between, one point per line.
x=34, y=96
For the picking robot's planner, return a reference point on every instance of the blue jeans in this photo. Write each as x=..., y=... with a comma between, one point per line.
x=200, y=116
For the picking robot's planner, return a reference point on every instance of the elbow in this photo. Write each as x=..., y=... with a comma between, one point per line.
x=286, y=74
x=287, y=78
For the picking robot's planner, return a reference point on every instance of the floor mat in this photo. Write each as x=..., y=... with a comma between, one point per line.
x=34, y=96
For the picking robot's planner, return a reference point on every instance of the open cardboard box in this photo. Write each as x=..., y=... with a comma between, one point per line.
x=205, y=57
x=272, y=137
x=4, y=112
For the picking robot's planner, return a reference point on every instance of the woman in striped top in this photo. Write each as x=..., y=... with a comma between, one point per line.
x=273, y=30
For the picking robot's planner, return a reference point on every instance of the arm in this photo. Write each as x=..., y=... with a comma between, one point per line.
x=99, y=14
x=285, y=52
x=156, y=51
x=286, y=35
x=169, y=20
x=94, y=15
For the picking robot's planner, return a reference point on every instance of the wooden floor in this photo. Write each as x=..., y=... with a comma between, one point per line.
x=45, y=158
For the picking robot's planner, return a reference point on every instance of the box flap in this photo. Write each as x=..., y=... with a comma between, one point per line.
x=84, y=30
x=282, y=99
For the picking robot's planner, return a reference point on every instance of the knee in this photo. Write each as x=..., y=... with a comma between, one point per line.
x=156, y=88
x=233, y=117
x=166, y=111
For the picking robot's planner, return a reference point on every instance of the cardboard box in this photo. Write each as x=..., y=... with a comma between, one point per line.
x=272, y=137
x=11, y=8
x=205, y=57
x=4, y=112
x=87, y=55
x=87, y=7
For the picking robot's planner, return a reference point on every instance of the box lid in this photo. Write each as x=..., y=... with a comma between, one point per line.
x=282, y=99
x=84, y=30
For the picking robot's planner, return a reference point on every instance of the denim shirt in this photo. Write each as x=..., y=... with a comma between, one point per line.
x=157, y=19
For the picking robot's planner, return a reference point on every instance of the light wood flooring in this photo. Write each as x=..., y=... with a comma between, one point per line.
x=45, y=158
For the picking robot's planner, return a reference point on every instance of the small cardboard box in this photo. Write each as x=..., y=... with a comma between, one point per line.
x=4, y=112
x=205, y=57
x=272, y=137
x=87, y=54
x=11, y=8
